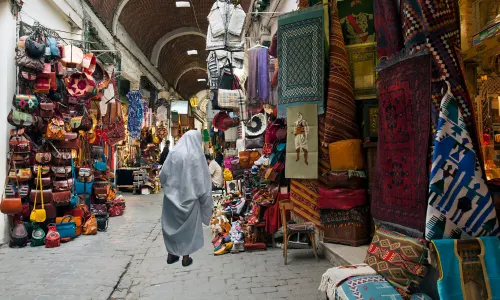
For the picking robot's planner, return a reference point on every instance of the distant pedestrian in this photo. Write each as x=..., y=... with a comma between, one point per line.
x=219, y=158
x=215, y=173
x=187, y=201
x=164, y=153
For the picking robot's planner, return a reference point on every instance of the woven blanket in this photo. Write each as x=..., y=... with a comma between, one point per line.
x=435, y=25
x=340, y=218
x=304, y=195
x=388, y=28
x=301, y=55
x=334, y=277
x=459, y=200
x=340, y=107
x=135, y=114
x=404, y=127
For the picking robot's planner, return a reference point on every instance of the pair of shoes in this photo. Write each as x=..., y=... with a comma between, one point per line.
x=224, y=249
x=171, y=259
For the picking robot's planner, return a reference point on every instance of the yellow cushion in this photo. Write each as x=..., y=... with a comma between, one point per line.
x=346, y=155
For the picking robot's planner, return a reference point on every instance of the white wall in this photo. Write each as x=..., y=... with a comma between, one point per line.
x=7, y=89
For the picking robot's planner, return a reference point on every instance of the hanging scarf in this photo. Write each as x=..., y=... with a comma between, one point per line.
x=135, y=114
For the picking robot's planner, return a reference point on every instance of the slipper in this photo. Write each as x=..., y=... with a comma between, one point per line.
x=172, y=259
x=189, y=262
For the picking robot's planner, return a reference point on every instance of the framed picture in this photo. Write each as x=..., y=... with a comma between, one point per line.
x=233, y=186
x=370, y=120
x=363, y=61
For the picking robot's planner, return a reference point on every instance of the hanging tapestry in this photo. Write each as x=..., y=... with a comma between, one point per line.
x=301, y=55
x=435, y=25
x=135, y=114
x=304, y=194
x=340, y=106
x=356, y=17
x=459, y=200
x=388, y=28
x=404, y=127
x=340, y=218
x=323, y=153
x=302, y=142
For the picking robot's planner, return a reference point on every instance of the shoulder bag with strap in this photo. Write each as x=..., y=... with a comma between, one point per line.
x=38, y=215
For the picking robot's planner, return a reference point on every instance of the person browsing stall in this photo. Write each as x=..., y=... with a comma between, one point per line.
x=215, y=173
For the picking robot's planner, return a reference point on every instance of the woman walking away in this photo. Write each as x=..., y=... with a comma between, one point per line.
x=187, y=201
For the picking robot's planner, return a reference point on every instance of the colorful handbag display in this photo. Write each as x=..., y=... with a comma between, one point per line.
x=77, y=220
x=101, y=165
x=90, y=227
x=12, y=204
x=62, y=171
x=44, y=169
x=61, y=158
x=346, y=155
x=63, y=185
x=55, y=129
x=23, y=60
x=341, y=198
x=25, y=103
x=83, y=188
x=70, y=141
x=20, y=175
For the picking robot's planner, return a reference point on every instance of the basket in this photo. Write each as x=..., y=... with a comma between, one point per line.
x=351, y=235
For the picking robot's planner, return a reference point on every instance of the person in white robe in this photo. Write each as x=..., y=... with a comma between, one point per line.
x=187, y=201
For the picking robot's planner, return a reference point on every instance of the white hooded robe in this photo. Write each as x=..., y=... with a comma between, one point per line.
x=187, y=201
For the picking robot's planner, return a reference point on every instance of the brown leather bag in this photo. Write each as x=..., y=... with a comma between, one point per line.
x=47, y=196
x=11, y=206
x=55, y=130
x=61, y=198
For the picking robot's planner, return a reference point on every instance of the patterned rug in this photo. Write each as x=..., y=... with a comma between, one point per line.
x=435, y=25
x=459, y=201
x=340, y=107
x=404, y=128
x=301, y=54
x=388, y=28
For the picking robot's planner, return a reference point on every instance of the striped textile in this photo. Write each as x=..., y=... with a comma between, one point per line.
x=304, y=194
x=340, y=107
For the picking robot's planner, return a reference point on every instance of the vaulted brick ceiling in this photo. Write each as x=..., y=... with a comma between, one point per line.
x=150, y=21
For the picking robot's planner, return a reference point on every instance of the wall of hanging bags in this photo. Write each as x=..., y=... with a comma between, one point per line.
x=57, y=166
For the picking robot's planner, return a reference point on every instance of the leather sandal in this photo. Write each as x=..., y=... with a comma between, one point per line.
x=188, y=262
x=171, y=259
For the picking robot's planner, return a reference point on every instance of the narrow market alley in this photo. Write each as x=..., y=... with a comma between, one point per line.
x=129, y=262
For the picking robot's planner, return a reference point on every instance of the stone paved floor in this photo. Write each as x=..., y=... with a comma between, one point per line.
x=129, y=262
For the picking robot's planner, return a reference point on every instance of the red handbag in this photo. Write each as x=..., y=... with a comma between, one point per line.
x=115, y=210
x=343, y=199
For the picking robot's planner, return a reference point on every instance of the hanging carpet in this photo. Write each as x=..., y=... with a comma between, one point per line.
x=301, y=53
x=340, y=106
x=304, y=194
x=404, y=127
x=460, y=204
x=388, y=28
x=435, y=25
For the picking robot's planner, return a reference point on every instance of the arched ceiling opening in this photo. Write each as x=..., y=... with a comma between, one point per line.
x=164, y=33
x=188, y=84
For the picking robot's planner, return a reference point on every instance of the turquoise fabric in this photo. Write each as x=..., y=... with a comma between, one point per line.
x=492, y=262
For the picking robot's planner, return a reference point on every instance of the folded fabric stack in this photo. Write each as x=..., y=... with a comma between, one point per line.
x=344, y=209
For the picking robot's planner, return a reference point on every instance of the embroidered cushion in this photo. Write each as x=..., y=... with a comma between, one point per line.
x=399, y=258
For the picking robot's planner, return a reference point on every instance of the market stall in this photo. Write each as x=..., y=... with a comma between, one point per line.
x=59, y=182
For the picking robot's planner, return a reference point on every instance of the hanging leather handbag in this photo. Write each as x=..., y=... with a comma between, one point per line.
x=101, y=192
x=23, y=60
x=20, y=119
x=90, y=227
x=83, y=188
x=34, y=46
x=67, y=227
x=20, y=175
x=254, y=143
x=47, y=182
x=61, y=198
x=63, y=185
x=19, y=141
x=12, y=204
x=44, y=169
x=25, y=103
x=21, y=158
x=16, y=190
x=70, y=141
x=27, y=74
x=101, y=165
x=43, y=158
x=38, y=214
x=61, y=172
x=46, y=109
x=61, y=158
x=43, y=196
x=77, y=220
x=55, y=129
x=43, y=83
